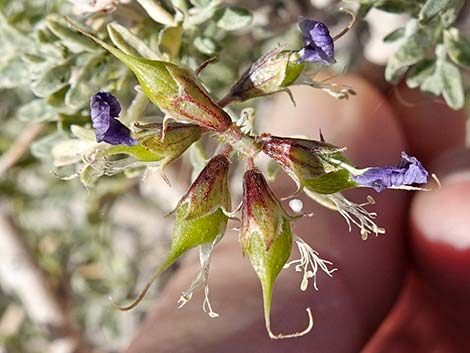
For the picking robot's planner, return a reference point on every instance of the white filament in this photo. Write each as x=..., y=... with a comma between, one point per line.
x=309, y=263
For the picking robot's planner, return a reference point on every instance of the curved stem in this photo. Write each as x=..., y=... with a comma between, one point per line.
x=348, y=27
x=144, y=291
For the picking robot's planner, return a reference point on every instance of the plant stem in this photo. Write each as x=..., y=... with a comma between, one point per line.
x=19, y=147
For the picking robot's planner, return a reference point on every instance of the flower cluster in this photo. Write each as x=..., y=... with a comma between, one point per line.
x=320, y=169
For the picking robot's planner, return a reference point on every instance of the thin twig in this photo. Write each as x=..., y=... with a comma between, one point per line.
x=21, y=275
x=19, y=147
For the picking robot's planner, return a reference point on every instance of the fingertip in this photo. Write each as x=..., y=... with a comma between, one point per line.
x=440, y=230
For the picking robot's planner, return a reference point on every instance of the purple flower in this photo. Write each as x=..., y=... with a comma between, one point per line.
x=409, y=171
x=105, y=108
x=318, y=44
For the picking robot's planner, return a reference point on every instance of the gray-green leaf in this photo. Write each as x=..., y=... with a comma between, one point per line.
x=42, y=148
x=170, y=40
x=452, y=87
x=130, y=43
x=13, y=73
x=413, y=49
x=205, y=45
x=395, y=35
x=397, y=6
x=157, y=12
x=37, y=111
x=233, y=18
x=200, y=3
x=71, y=38
x=420, y=72
x=458, y=47
x=450, y=15
x=52, y=80
x=92, y=76
x=432, y=8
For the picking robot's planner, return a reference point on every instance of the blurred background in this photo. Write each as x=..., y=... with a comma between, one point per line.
x=65, y=247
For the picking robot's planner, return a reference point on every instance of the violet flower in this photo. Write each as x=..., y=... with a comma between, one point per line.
x=104, y=109
x=318, y=44
x=409, y=171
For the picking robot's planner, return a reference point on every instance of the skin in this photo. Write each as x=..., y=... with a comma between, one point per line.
x=405, y=291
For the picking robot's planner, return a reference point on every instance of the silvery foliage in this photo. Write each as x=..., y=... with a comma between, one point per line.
x=433, y=53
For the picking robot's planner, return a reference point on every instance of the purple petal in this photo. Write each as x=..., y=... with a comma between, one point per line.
x=318, y=44
x=104, y=109
x=408, y=171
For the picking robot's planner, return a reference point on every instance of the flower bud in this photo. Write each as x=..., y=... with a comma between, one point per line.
x=194, y=104
x=209, y=191
x=271, y=73
x=262, y=212
x=315, y=165
x=266, y=236
x=175, y=90
x=177, y=139
x=200, y=221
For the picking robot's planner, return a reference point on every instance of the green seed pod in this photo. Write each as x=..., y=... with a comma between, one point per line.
x=315, y=165
x=200, y=219
x=177, y=139
x=261, y=211
x=271, y=73
x=175, y=90
x=266, y=236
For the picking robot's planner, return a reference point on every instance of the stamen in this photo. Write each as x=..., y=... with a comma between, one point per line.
x=333, y=89
x=200, y=279
x=309, y=263
x=247, y=120
x=206, y=305
x=408, y=188
x=357, y=214
x=438, y=182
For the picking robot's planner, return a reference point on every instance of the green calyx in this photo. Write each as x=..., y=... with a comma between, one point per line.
x=315, y=165
x=336, y=178
x=170, y=144
x=194, y=104
x=293, y=70
x=271, y=73
x=267, y=265
x=153, y=147
x=152, y=75
x=200, y=217
x=175, y=90
x=209, y=192
x=331, y=183
x=187, y=234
